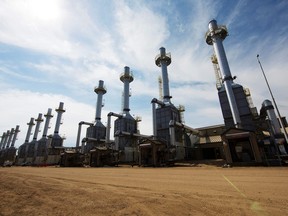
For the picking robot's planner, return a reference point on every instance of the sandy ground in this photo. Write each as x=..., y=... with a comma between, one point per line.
x=144, y=191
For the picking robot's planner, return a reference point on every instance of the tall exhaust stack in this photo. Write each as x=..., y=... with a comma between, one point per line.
x=215, y=35
x=48, y=116
x=59, y=111
x=163, y=60
x=6, y=139
x=126, y=78
x=30, y=125
x=38, y=122
x=15, y=136
x=10, y=137
x=100, y=91
x=2, y=139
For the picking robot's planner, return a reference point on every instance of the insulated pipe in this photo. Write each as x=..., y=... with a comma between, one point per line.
x=100, y=91
x=109, y=124
x=154, y=101
x=172, y=132
x=59, y=111
x=163, y=60
x=268, y=107
x=15, y=135
x=124, y=133
x=126, y=77
x=38, y=123
x=30, y=125
x=6, y=139
x=79, y=131
x=48, y=116
x=180, y=125
x=215, y=35
x=10, y=138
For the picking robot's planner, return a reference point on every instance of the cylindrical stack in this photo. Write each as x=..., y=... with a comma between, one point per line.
x=10, y=138
x=268, y=107
x=59, y=111
x=6, y=139
x=30, y=125
x=100, y=91
x=126, y=78
x=215, y=35
x=38, y=122
x=15, y=136
x=2, y=140
x=48, y=116
x=163, y=60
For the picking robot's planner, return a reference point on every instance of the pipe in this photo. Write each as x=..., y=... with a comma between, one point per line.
x=215, y=36
x=126, y=77
x=38, y=123
x=131, y=134
x=30, y=125
x=15, y=136
x=2, y=139
x=109, y=124
x=59, y=111
x=6, y=139
x=163, y=60
x=154, y=101
x=100, y=91
x=79, y=131
x=172, y=132
x=10, y=137
x=48, y=116
x=268, y=107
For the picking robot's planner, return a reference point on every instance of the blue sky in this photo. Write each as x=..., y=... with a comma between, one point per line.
x=52, y=51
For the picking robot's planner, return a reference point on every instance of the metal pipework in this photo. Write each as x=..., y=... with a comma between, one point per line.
x=59, y=111
x=163, y=60
x=79, y=131
x=48, y=116
x=38, y=122
x=6, y=139
x=268, y=107
x=10, y=138
x=215, y=35
x=126, y=77
x=2, y=139
x=15, y=135
x=109, y=125
x=30, y=125
x=154, y=101
x=100, y=91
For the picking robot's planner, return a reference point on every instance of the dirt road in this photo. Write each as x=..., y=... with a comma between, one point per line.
x=143, y=191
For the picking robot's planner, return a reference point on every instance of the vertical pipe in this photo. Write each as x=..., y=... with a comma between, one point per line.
x=108, y=128
x=15, y=136
x=215, y=37
x=2, y=140
x=48, y=116
x=267, y=105
x=163, y=60
x=172, y=132
x=59, y=111
x=100, y=91
x=38, y=122
x=154, y=119
x=10, y=137
x=30, y=125
x=78, y=134
x=6, y=139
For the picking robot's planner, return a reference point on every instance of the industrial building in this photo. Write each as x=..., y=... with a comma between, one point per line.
x=246, y=137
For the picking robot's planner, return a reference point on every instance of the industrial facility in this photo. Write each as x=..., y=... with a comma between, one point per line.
x=246, y=137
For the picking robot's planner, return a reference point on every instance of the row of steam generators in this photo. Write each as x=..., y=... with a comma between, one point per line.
x=245, y=138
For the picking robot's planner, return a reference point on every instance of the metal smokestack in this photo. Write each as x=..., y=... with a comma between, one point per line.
x=268, y=107
x=48, y=116
x=100, y=91
x=163, y=60
x=126, y=78
x=15, y=136
x=10, y=138
x=59, y=111
x=2, y=139
x=215, y=35
x=6, y=139
x=30, y=125
x=38, y=122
